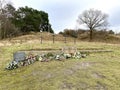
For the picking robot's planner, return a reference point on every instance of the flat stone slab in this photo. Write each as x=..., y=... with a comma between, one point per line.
x=71, y=50
x=95, y=51
x=19, y=56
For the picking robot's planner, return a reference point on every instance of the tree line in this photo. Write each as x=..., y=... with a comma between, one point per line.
x=84, y=34
x=25, y=19
x=14, y=22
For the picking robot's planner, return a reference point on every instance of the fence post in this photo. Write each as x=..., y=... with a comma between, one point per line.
x=53, y=38
x=65, y=39
x=41, y=36
x=74, y=40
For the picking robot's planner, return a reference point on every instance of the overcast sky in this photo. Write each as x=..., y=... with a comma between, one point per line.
x=64, y=13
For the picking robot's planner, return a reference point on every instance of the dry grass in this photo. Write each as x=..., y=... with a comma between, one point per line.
x=48, y=37
x=99, y=71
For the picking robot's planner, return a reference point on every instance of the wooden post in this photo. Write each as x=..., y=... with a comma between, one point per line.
x=65, y=39
x=53, y=38
x=74, y=40
x=41, y=29
x=41, y=40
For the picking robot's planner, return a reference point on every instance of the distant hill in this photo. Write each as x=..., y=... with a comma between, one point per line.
x=36, y=37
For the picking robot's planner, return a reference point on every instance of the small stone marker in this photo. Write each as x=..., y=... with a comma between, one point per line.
x=19, y=56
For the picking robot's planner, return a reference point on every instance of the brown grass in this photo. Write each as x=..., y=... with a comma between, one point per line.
x=98, y=71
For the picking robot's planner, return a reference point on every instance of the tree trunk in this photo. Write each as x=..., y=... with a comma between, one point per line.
x=91, y=34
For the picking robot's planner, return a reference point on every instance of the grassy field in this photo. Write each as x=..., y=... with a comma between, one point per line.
x=98, y=71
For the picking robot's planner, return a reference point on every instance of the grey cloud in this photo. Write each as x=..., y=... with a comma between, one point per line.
x=115, y=16
x=62, y=13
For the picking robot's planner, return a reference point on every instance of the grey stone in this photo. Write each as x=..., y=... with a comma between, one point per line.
x=19, y=56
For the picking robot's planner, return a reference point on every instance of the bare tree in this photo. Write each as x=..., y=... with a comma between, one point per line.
x=93, y=19
x=7, y=29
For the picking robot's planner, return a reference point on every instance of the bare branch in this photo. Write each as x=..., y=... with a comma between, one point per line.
x=93, y=19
